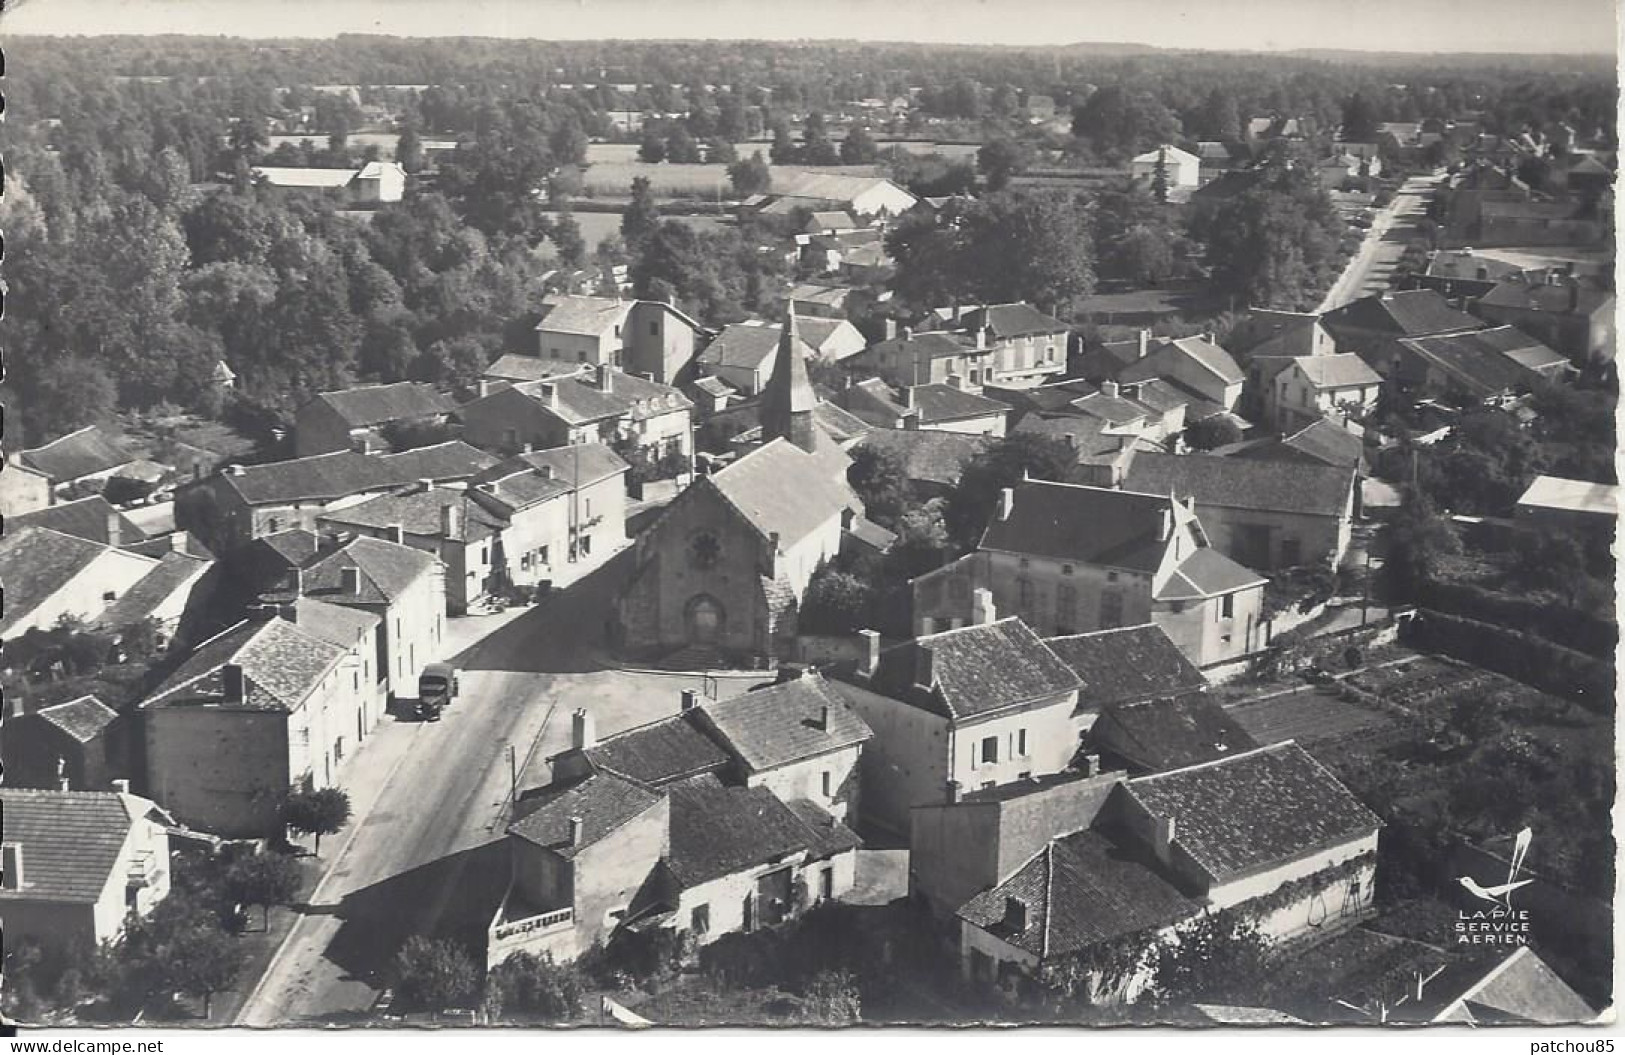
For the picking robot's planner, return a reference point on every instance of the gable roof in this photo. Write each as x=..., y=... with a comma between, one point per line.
x=673, y=748
x=837, y=424
x=1253, y=811
x=70, y=840
x=282, y=665
x=772, y=727
x=36, y=562
x=1174, y=731
x=513, y=367
x=320, y=477
x=451, y=460
x=1485, y=362
x=975, y=670
x=874, y=400
x=284, y=176
x=1520, y=988
x=780, y=489
x=387, y=571
x=718, y=830
x=82, y=719
x=1544, y=297
x=1402, y=313
x=1203, y=353
x=586, y=316
x=86, y=518
x=744, y=346
x=332, y=623
x=578, y=401
x=831, y=186
x=1327, y=442
x=1016, y=319
x=378, y=404
x=1207, y=573
x=1127, y=663
x=932, y=344
x=816, y=330
x=1080, y=890
x=1241, y=483
x=1090, y=525
x=1343, y=370
x=1579, y=496
x=418, y=512
x=81, y=453
x=173, y=572
x=602, y=802
x=1171, y=153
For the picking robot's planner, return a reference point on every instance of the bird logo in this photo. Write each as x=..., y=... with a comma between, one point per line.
x=1501, y=894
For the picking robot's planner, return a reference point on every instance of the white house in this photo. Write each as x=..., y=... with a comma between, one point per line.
x=1184, y=168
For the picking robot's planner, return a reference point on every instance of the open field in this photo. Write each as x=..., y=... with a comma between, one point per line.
x=596, y=226
x=614, y=178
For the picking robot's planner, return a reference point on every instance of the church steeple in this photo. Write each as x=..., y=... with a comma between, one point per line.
x=788, y=398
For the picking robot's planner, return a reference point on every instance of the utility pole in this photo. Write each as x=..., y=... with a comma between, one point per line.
x=513, y=778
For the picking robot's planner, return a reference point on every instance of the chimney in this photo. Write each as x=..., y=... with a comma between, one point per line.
x=1574, y=297
x=908, y=333
x=1007, y=502
x=908, y=397
x=121, y=786
x=924, y=667
x=545, y=471
x=1071, y=439
x=396, y=534
x=1483, y=273
x=483, y=387
x=1091, y=765
x=177, y=542
x=234, y=469
x=451, y=519
x=289, y=610
x=605, y=378
x=575, y=831
x=425, y=484
x=115, y=531
x=550, y=394
x=691, y=699
x=982, y=610
x=985, y=337
x=890, y=330
x=1145, y=344
x=911, y=420
x=981, y=338
x=773, y=554
x=350, y=580
x=583, y=729
x=1015, y=915
x=871, y=651
x=823, y=717
x=231, y=683
x=1207, y=335
x=952, y=788
x=1108, y=389
x=1165, y=530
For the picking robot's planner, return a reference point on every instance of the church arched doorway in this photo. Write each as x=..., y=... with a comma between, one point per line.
x=705, y=619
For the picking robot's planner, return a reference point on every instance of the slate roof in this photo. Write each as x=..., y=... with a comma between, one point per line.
x=1240, y=483
x=875, y=401
x=837, y=424
x=1207, y=573
x=1175, y=731
x=1089, y=525
x=82, y=453
x=173, y=572
x=85, y=518
x=282, y=665
x=775, y=726
x=1253, y=811
x=378, y=404
x=602, y=802
x=70, y=840
x=1128, y=663
x=35, y=563
x=441, y=462
x=816, y=330
x=717, y=830
x=833, y=219
x=779, y=488
x=656, y=754
x=82, y=719
x=1402, y=313
x=930, y=456
x=418, y=512
x=1079, y=891
x=387, y=571
x=977, y=670
x=321, y=477
x=1018, y=319
x=589, y=316
x=1344, y=370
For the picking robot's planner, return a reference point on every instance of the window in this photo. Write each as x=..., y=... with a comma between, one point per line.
x=990, y=749
x=1066, y=608
x=524, y=562
x=10, y=858
x=1227, y=606
x=1111, y=576
x=1024, y=597
x=110, y=596
x=654, y=328
x=827, y=781
x=589, y=509
x=542, y=557
x=1021, y=743
x=826, y=884
x=699, y=921
x=581, y=357
x=1111, y=609
x=1291, y=552
x=1066, y=569
x=273, y=525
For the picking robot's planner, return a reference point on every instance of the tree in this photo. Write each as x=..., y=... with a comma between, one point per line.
x=1000, y=159
x=1276, y=244
x=565, y=235
x=1031, y=245
x=653, y=149
x=836, y=602
x=880, y=478
x=1159, y=178
x=409, y=149
x=536, y=987
x=1220, y=119
x=434, y=974
x=1216, y=431
x=1023, y=454
x=1360, y=119
x=750, y=176
x=816, y=148
x=74, y=393
x=859, y=148
x=641, y=217
x=263, y=879
x=320, y=812
x=922, y=542
x=832, y=999
x=203, y=960
x=1119, y=122
x=1220, y=959
x=1417, y=538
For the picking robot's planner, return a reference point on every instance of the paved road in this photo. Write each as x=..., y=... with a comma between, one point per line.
x=1371, y=269
x=424, y=853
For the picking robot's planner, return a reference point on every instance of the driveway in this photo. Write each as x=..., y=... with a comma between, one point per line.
x=1371, y=269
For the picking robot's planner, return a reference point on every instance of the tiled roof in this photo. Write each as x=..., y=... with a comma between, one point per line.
x=588, y=316
x=833, y=219
x=743, y=345
x=1328, y=442
x=1207, y=355
x=282, y=665
x=452, y=460
x=775, y=726
x=1479, y=366
x=713, y=386
x=1079, y=891
x=1128, y=663
x=1207, y=573
x=1240, y=483
x=81, y=453
x=387, y=570
x=511, y=367
x=930, y=456
x=816, y=330
x=781, y=489
x=378, y=404
x=35, y=563
x=83, y=719
x=1019, y=319
x=1090, y=525
x=1253, y=811
x=304, y=177
x=1345, y=370
x=827, y=186
x=718, y=831
x=1448, y=263
x=86, y=518
x=1548, y=298
x=418, y=512
x=70, y=840
x=173, y=572
x=1403, y=313
x=602, y=803
x=931, y=345
x=1174, y=732
x=976, y=670
x=580, y=400
x=837, y=424
x=317, y=478
x=172, y=542
x=538, y=475
x=672, y=748
x=333, y=623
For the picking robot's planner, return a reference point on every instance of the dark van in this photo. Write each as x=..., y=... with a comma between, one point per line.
x=437, y=687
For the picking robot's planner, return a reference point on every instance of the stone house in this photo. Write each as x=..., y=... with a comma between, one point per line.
x=23, y=488
x=1339, y=387
x=1195, y=364
x=73, y=746
x=92, y=518
x=374, y=183
x=357, y=418
x=564, y=508
x=1371, y=326
x=642, y=337
x=49, y=575
x=445, y=521
x=1182, y=168
x=245, y=502
x=941, y=408
x=1480, y=366
x=1025, y=346
x=744, y=354
x=608, y=406
x=74, y=865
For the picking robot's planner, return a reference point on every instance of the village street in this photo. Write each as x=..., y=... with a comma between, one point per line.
x=424, y=851
x=1392, y=228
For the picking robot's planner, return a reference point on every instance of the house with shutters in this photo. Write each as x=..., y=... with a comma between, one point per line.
x=1264, y=515
x=245, y=502
x=273, y=703
x=1023, y=346
x=642, y=337
x=1069, y=558
x=360, y=418
x=565, y=511
x=75, y=865
x=1196, y=365
x=447, y=522
x=605, y=405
